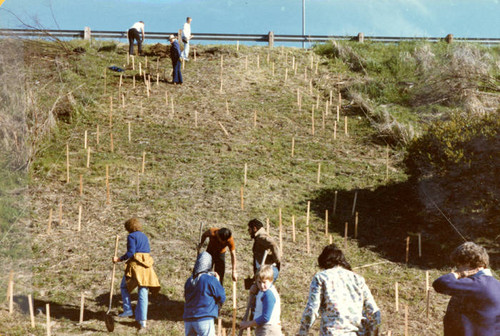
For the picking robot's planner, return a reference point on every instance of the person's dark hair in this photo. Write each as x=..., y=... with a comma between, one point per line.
x=132, y=225
x=224, y=234
x=187, y=19
x=255, y=223
x=470, y=254
x=332, y=256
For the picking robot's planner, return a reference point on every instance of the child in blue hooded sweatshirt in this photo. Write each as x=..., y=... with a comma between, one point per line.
x=204, y=295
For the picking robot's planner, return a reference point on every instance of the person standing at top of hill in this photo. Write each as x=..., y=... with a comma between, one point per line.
x=175, y=55
x=136, y=32
x=341, y=298
x=139, y=273
x=219, y=241
x=186, y=37
x=263, y=242
x=474, y=307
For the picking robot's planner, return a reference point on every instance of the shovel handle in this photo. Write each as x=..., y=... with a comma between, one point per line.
x=113, y=276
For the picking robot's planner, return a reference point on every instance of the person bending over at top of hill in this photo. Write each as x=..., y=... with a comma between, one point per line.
x=136, y=32
x=219, y=241
x=139, y=272
x=342, y=299
x=175, y=56
x=474, y=307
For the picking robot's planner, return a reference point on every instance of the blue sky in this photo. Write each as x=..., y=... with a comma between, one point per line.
x=422, y=18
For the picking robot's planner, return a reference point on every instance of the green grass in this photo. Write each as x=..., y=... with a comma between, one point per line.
x=193, y=175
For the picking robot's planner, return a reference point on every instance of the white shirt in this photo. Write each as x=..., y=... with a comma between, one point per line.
x=139, y=26
x=186, y=31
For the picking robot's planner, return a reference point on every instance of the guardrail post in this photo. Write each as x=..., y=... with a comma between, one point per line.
x=449, y=38
x=86, y=33
x=271, y=39
x=361, y=37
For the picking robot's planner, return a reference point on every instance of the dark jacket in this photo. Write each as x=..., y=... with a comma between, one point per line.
x=175, y=51
x=474, y=307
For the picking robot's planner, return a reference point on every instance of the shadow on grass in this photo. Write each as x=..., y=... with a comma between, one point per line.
x=388, y=215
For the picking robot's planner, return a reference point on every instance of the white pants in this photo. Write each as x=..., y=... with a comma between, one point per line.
x=185, y=52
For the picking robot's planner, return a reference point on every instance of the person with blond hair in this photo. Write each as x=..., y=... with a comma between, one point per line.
x=267, y=305
x=139, y=273
x=474, y=307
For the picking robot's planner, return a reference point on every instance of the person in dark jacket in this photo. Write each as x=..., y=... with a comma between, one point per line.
x=474, y=307
x=204, y=295
x=175, y=56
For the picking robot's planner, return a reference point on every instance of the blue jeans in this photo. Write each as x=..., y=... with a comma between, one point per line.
x=141, y=310
x=199, y=328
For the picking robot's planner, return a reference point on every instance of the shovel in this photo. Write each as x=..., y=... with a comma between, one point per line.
x=108, y=318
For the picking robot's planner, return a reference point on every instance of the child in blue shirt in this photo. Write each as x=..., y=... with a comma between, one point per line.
x=267, y=306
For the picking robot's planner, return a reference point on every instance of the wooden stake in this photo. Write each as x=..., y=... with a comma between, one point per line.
x=407, y=249
x=133, y=62
x=245, y=175
x=49, y=224
x=312, y=120
x=157, y=79
x=237, y=45
x=138, y=181
x=330, y=239
x=133, y=81
x=47, y=312
x=258, y=61
x=223, y=128
x=335, y=130
x=331, y=93
x=194, y=52
x=60, y=213
x=254, y=118
x=85, y=140
x=356, y=226
x=338, y=113
x=88, y=157
x=234, y=295
x=293, y=62
x=317, y=98
x=242, y=199
x=293, y=145
x=11, y=292
x=267, y=226
x=345, y=125
x=340, y=99
x=319, y=173
x=82, y=306
x=280, y=230
x=79, y=218
x=219, y=326
x=311, y=86
x=345, y=235
x=419, y=245
x=326, y=222
x=108, y=198
x=143, y=162
x=286, y=75
x=396, y=296
x=67, y=163
x=97, y=135
x=293, y=228
x=120, y=84
x=111, y=143
x=335, y=202
x=354, y=203
x=195, y=119
x=307, y=240
x=110, y=111
x=32, y=313
x=140, y=69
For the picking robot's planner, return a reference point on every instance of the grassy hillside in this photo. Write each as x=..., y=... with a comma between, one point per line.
x=197, y=139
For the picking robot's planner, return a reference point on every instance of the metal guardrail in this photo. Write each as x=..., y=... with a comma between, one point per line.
x=262, y=38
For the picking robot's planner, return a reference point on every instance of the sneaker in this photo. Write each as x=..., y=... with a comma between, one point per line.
x=126, y=314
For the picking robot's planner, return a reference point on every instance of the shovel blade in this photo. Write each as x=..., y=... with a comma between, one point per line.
x=110, y=322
